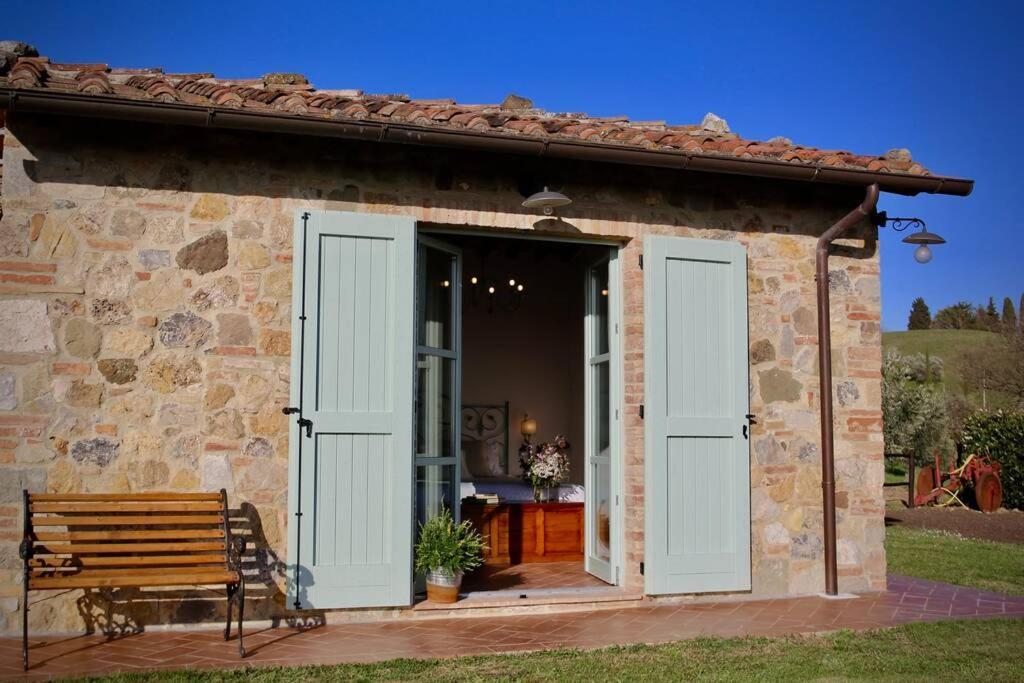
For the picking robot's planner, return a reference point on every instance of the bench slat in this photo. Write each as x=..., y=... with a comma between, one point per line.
x=50, y=572
x=125, y=560
x=127, y=535
x=174, y=579
x=126, y=520
x=75, y=548
x=166, y=495
x=68, y=506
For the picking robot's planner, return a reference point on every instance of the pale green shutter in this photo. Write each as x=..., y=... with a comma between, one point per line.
x=697, y=476
x=357, y=384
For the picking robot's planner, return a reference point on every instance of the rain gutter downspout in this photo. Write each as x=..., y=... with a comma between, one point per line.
x=828, y=476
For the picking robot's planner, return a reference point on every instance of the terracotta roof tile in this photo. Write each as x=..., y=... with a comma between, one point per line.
x=292, y=94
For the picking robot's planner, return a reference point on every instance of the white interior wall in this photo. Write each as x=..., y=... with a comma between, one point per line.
x=533, y=356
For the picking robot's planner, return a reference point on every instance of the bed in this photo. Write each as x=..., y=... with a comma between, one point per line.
x=515, y=528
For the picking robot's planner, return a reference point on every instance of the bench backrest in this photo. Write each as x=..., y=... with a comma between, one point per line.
x=80, y=540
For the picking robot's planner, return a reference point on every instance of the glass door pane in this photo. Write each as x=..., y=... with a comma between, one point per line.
x=438, y=309
x=599, y=503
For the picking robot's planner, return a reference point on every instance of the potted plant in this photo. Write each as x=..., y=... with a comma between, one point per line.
x=446, y=550
x=545, y=466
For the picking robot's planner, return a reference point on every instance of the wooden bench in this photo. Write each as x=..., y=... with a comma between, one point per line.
x=140, y=540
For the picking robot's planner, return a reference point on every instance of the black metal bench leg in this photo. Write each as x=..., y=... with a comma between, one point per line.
x=241, y=612
x=232, y=589
x=24, y=627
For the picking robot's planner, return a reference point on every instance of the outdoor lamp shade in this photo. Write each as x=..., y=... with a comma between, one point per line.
x=924, y=237
x=528, y=427
x=546, y=200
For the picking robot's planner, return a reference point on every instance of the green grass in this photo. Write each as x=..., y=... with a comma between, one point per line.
x=895, y=471
x=942, y=556
x=987, y=651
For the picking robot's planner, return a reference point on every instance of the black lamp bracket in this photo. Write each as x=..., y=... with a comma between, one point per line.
x=898, y=223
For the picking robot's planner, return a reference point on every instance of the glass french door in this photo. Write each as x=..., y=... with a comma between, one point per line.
x=601, y=466
x=438, y=348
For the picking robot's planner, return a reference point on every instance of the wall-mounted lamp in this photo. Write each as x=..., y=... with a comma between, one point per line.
x=922, y=238
x=546, y=200
x=528, y=427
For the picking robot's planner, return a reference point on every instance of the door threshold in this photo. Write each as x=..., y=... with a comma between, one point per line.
x=511, y=598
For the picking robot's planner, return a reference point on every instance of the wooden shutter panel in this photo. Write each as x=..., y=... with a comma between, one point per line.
x=697, y=476
x=357, y=384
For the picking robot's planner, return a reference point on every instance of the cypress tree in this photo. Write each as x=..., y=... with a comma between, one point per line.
x=1009, y=315
x=920, y=315
x=991, y=314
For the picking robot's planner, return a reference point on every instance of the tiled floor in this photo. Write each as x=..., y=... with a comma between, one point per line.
x=532, y=576
x=906, y=600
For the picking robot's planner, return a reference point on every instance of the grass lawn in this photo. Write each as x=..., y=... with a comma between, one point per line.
x=895, y=471
x=942, y=556
x=956, y=650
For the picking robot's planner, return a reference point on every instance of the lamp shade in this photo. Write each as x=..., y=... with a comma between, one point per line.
x=546, y=200
x=528, y=427
x=924, y=237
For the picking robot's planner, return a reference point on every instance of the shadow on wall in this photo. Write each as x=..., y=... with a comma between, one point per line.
x=123, y=611
x=336, y=174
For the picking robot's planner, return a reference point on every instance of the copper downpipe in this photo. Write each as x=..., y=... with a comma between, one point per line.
x=828, y=472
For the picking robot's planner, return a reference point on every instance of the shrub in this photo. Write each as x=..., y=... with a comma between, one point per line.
x=447, y=546
x=1001, y=435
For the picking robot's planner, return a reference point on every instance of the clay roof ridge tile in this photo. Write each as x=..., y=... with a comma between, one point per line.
x=54, y=66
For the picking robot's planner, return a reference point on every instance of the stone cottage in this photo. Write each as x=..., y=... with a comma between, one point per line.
x=160, y=233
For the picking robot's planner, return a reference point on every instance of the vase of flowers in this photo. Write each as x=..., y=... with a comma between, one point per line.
x=545, y=466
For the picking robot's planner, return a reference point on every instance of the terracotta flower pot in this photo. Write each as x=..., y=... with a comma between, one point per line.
x=443, y=587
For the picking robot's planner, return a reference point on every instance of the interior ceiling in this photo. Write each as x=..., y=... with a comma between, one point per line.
x=511, y=249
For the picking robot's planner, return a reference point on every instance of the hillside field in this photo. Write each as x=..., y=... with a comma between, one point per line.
x=944, y=344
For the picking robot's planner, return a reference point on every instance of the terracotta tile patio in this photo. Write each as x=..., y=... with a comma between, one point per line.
x=532, y=576
x=906, y=600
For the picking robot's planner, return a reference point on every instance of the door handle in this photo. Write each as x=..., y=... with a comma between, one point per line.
x=750, y=421
x=302, y=422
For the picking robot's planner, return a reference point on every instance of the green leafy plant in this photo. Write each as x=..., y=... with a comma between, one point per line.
x=448, y=547
x=1001, y=435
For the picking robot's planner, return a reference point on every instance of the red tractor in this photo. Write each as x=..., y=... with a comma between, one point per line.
x=979, y=472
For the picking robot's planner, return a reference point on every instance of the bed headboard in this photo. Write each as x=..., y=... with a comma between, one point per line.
x=488, y=424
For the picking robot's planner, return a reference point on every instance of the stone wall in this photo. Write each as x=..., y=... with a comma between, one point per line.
x=145, y=306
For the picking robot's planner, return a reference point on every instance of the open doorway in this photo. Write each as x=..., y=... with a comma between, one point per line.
x=517, y=349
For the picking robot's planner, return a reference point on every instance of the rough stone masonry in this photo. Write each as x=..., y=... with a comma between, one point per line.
x=145, y=309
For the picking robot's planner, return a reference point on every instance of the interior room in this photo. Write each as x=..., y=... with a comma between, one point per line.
x=523, y=314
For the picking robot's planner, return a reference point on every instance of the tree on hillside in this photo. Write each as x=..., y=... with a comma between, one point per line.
x=959, y=316
x=920, y=315
x=981, y=320
x=1020, y=310
x=914, y=416
x=991, y=315
x=1009, y=315
x=998, y=366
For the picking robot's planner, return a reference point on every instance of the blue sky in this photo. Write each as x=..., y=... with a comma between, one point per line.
x=943, y=79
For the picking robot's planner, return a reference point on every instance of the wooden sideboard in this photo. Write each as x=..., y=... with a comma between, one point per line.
x=528, y=532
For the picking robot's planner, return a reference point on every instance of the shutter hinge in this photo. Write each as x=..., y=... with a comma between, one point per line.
x=641, y=411
x=641, y=261
x=641, y=569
